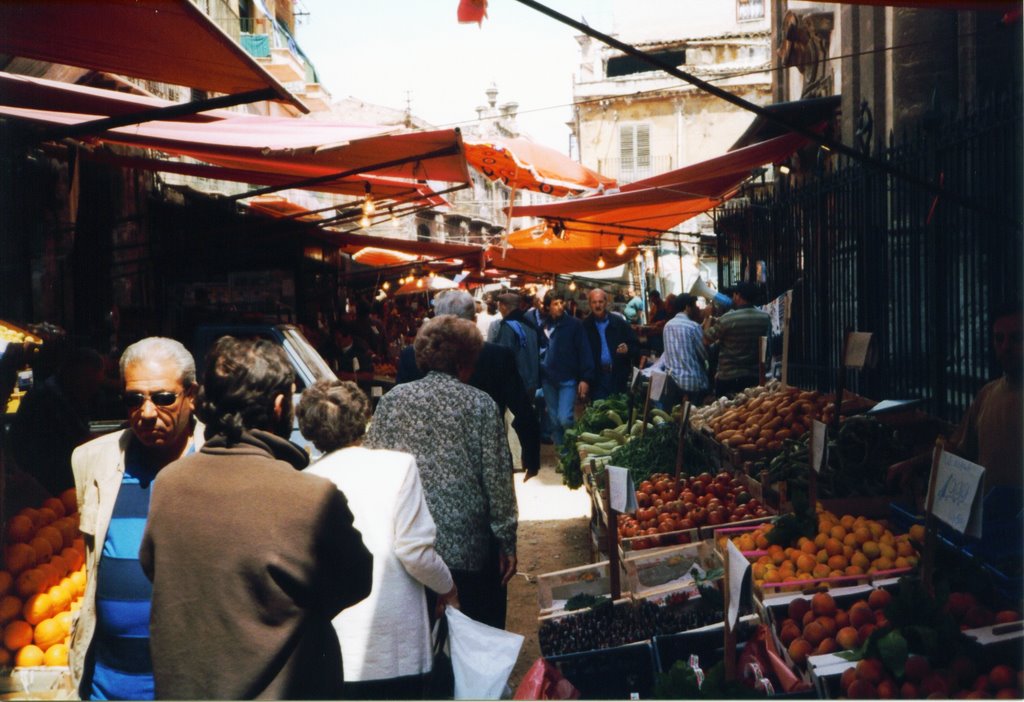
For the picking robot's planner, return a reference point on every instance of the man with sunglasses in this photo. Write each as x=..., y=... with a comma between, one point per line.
x=109, y=655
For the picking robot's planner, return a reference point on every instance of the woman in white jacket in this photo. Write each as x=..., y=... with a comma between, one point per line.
x=385, y=639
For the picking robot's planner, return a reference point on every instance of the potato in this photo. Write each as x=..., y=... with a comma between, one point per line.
x=736, y=440
x=783, y=434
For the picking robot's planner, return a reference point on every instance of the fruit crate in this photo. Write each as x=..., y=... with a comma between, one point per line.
x=825, y=672
x=654, y=573
x=708, y=643
x=37, y=683
x=623, y=672
x=556, y=588
x=649, y=543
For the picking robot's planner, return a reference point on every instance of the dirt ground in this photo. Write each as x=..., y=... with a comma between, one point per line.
x=553, y=535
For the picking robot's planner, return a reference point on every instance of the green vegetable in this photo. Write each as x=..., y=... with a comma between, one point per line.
x=602, y=414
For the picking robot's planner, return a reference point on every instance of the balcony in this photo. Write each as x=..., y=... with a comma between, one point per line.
x=275, y=49
x=633, y=171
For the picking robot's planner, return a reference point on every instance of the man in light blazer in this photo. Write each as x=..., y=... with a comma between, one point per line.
x=109, y=656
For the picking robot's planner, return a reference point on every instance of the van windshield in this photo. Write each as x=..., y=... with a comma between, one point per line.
x=297, y=346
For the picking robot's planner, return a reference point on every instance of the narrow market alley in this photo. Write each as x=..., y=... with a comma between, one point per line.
x=553, y=535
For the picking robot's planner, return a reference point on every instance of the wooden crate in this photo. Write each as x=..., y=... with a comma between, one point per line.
x=652, y=573
x=554, y=589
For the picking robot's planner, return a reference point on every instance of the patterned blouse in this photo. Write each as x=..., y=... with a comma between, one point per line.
x=460, y=445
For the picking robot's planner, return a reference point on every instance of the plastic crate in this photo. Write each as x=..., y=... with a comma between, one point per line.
x=624, y=672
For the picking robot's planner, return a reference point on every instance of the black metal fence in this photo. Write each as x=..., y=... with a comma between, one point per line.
x=866, y=251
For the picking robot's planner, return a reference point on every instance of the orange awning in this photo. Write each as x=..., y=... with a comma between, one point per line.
x=520, y=163
x=381, y=258
x=277, y=206
x=304, y=149
x=168, y=41
x=554, y=256
x=647, y=207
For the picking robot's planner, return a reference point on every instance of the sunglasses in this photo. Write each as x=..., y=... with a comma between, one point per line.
x=161, y=398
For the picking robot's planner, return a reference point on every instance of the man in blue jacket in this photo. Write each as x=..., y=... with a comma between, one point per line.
x=568, y=367
x=613, y=345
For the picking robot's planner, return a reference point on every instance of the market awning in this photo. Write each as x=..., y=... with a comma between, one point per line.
x=41, y=93
x=277, y=206
x=168, y=41
x=556, y=256
x=522, y=164
x=937, y=4
x=806, y=113
x=647, y=207
x=306, y=149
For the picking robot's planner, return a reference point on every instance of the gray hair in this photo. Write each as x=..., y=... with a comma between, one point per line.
x=159, y=348
x=597, y=290
x=333, y=414
x=455, y=302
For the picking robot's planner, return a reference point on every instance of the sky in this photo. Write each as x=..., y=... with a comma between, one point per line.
x=389, y=51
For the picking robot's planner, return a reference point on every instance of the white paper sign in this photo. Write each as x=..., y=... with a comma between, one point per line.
x=739, y=566
x=857, y=344
x=958, y=498
x=621, y=493
x=376, y=391
x=657, y=384
x=819, y=445
x=763, y=349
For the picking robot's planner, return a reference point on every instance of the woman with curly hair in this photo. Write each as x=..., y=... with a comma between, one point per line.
x=385, y=639
x=458, y=438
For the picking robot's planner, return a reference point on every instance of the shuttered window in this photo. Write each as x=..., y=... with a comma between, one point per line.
x=634, y=152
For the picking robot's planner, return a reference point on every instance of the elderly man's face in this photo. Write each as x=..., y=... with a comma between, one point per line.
x=598, y=303
x=156, y=424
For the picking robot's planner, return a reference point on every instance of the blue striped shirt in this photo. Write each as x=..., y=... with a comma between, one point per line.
x=123, y=668
x=685, y=356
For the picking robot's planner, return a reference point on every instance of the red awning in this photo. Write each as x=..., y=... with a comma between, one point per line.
x=557, y=257
x=520, y=163
x=300, y=148
x=644, y=208
x=168, y=41
x=937, y=4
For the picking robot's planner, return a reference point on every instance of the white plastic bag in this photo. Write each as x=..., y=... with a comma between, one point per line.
x=482, y=656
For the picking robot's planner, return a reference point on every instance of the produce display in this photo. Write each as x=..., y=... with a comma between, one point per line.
x=920, y=651
x=817, y=625
x=42, y=583
x=595, y=419
x=837, y=547
x=605, y=625
x=703, y=500
x=858, y=460
x=761, y=424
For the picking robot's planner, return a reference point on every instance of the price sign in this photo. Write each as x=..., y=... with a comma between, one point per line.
x=857, y=344
x=376, y=391
x=958, y=498
x=819, y=445
x=762, y=348
x=621, y=493
x=739, y=575
x=636, y=374
x=657, y=384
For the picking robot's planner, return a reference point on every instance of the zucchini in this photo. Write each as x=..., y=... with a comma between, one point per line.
x=613, y=434
x=613, y=416
x=587, y=437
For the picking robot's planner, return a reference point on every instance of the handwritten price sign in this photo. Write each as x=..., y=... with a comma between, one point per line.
x=957, y=493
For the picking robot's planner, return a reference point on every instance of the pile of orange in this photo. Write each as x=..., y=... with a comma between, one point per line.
x=843, y=546
x=41, y=584
x=817, y=625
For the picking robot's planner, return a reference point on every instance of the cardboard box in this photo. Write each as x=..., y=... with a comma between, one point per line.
x=665, y=570
x=38, y=683
x=555, y=589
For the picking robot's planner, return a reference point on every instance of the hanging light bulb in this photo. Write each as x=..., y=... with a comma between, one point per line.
x=394, y=217
x=621, y=248
x=572, y=284
x=368, y=207
x=385, y=285
x=600, y=261
x=639, y=256
x=784, y=169
x=419, y=283
x=364, y=221
x=432, y=274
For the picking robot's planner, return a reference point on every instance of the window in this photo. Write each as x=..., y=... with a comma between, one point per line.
x=634, y=152
x=749, y=10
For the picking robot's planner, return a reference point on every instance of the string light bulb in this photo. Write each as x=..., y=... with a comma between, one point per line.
x=368, y=207
x=621, y=248
x=600, y=261
x=419, y=283
x=364, y=221
x=572, y=285
x=784, y=169
x=385, y=285
x=639, y=256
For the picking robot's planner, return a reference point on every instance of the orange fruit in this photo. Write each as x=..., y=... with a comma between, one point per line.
x=837, y=532
x=78, y=580
x=799, y=650
x=10, y=607
x=42, y=547
x=56, y=655
x=19, y=557
x=68, y=530
x=847, y=638
x=60, y=565
x=860, y=560
x=29, y=583
x=37, y=608
x=30, y=655
x=46, y=516
x=17, y=634
x=821, y=570
x=916, y=533
x=73, y=558
x=55, y=505
x=814, y=632
x=64, y=620
x=69, y=500
x=47, y=633
x=879, y=598
x=20, y=529
x=805, y=563
x=837, y=562
x=61, y=596
x=823, y=605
